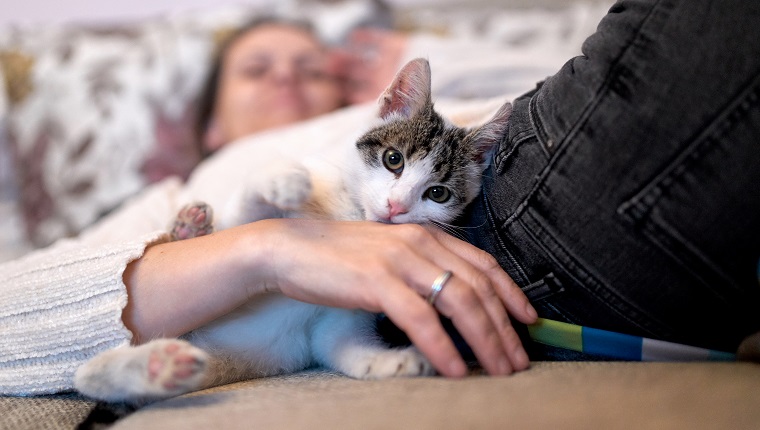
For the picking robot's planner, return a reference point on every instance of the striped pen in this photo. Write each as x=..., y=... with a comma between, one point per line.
x=618, y=345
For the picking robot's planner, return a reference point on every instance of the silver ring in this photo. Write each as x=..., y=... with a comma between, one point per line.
x=438, y=285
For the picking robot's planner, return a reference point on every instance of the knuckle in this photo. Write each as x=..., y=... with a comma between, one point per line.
x=415, y=232
x=487, y=261
x=466, y=298
x=482, y=284
x=477, y=290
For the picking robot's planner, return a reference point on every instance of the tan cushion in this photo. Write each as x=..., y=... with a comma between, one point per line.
x=551, y=395
x=566, y=395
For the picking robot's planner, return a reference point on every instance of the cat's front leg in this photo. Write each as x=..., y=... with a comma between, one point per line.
x=288, y=189
x=346, y=341
x=278, y=191
x=158, y=369
x=193, y=220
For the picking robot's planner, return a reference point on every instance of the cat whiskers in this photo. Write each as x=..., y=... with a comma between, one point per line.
x=451, y=229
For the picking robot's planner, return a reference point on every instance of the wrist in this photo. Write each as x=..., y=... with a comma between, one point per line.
x=253, y=251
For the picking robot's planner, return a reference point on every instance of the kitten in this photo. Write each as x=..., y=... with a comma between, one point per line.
x=414, y=167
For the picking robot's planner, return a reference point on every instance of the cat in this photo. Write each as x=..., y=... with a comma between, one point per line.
x=414, y=167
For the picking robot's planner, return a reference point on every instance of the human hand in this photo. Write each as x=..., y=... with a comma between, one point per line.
x=369, y=61
x=390, y=269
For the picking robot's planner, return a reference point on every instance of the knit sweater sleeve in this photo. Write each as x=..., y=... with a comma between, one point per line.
x=62, y=305
x=58, y=308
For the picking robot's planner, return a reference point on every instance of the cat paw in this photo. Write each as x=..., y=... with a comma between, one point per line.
x=289, y=190
x=133, y=374
x=395, y=363
x=175, y=367
x=193, y=220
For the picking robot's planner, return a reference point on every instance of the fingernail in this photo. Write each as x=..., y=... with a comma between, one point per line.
x=531, y=311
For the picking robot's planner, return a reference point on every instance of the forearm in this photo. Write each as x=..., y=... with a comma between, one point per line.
x=176, y=287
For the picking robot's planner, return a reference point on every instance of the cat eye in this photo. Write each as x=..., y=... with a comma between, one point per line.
x=438, y=194
x=393, y=161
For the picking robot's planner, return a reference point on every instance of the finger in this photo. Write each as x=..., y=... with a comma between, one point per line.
x=510, y=293
x=490, y=303
x=459, y=302
x=421, y=324
x=476, y=325
x=464, y=307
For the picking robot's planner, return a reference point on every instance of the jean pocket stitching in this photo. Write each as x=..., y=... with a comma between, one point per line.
x=638, y=207
x=574, y=268
x=641, y=209
x=521, y=275
x=501, y=160
x=542, y=135
x=667, y=238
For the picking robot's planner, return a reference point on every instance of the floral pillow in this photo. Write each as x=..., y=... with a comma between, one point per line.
x=94, y=115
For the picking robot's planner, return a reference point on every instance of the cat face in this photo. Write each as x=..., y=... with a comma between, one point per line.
x=417, y=170
x=417, y=167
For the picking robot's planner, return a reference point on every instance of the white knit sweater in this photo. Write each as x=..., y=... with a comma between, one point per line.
x=62, y=305
x=58, y=308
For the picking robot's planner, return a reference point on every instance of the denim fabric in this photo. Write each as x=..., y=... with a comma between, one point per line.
x=626, y=194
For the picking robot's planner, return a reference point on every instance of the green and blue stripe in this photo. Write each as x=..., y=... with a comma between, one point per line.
x=618, y=345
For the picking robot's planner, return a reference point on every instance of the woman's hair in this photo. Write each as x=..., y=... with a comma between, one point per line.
x=210, y=88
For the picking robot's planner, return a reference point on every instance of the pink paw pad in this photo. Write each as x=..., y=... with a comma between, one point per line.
x=193, y=220
x=175, y=366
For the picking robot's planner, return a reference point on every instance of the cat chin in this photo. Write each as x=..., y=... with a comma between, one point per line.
x=369, y=217
x=414, y=217
x=397, y=220
x=385, y=220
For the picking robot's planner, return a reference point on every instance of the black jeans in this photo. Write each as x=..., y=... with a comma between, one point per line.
x=626, y=193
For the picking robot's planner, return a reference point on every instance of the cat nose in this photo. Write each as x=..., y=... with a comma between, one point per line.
x=396, y=208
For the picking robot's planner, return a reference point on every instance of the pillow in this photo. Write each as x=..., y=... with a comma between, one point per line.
x=13, y=242
x=96, y=114
x=7, y=170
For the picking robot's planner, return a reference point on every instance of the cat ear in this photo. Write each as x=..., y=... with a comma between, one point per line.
x=487, y=137
x=409, y=92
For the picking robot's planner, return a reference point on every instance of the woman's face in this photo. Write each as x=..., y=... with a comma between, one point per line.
x=275, y=74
